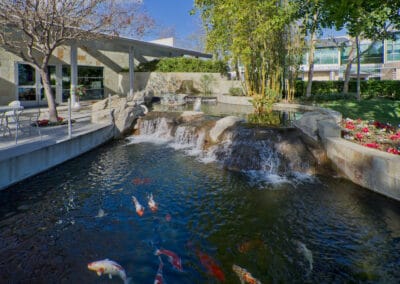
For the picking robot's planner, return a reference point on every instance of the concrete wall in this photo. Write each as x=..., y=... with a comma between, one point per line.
x=170, y=82
x=27, y=160
x=113, y=63
x=373, y=169
x=234, y=100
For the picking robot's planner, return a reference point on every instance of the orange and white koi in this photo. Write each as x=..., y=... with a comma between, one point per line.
x=138, y=206
x=159, y=276
x=109, y=267
x=244, y=275
x=173, y=258
x=152, y=204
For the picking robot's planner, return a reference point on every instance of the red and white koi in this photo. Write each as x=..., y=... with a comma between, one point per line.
x=139, y=208
x=109, y=267
x=244, y=275
x=152, y=204
x=173, y=258
x=159, y=276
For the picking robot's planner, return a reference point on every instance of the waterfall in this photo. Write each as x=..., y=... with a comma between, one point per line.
x=197, y=105
x=255, y=152
x=156, y=130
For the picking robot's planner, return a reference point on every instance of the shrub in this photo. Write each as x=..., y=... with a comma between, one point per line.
x=206, y=82
x=333, y=90
x=236, y=91
x=183, y=64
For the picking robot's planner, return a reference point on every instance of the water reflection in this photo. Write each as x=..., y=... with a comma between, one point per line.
x=50, y=229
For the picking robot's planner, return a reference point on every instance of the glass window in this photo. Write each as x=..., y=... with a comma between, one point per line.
x=90, y=77
x=26, y=75
x=370, y=53
x=393, y=49
x=27, y=94
x=326, y=56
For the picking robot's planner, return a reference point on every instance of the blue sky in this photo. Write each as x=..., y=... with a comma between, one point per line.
x=173, y=14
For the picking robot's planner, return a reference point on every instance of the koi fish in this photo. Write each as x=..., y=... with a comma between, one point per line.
x=302, y=248
x=173, y=258
x=109, y=267
x=101, y=213
x=137, y=181
x=210, y=264
x=168, y=217
x=159, y=276
x=244, y=275
x=138, y=206
x=152, y=204
x=250, y=245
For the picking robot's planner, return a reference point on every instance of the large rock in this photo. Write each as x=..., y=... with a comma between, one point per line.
x=122, y=113
x=187, y=116
x=222, y=125
x=308, y=123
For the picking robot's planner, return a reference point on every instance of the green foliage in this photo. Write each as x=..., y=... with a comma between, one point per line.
x=263, y=103
x=183, y=64
x=333, y=90
x=266, y=118
x=383, y=110
x=236, y=91
x=258, y=34
x=206, y=82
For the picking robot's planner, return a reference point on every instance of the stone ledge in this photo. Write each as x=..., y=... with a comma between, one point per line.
x=370, y=168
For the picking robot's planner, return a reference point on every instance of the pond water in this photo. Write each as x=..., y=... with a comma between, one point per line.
x=277, y=118
x=316, y=229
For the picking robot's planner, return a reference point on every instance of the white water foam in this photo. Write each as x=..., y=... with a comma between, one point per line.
x=237, y=150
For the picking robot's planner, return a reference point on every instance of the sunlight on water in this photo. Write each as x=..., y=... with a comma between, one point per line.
x=313, y=229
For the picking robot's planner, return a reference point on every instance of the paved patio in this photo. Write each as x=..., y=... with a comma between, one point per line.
x=32, y=140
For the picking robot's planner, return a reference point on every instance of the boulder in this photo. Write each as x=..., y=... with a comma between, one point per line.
x=122, y=113
x=187, y=116
x=221, y=125
x=308, y=123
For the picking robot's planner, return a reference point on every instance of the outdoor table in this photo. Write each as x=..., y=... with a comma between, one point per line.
x=4, y=118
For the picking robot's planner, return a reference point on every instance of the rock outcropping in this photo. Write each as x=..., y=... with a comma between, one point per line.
x=119, y=111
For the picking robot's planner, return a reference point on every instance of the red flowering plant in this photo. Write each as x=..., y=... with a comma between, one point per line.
x=46, y=122
x=372, y=134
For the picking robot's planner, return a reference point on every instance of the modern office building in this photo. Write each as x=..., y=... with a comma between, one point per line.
x=380, y=60
x=103, y=66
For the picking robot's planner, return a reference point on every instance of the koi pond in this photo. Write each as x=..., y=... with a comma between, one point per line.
x=222, y=225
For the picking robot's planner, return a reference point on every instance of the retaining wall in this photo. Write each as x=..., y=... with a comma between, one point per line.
x=27, y=160
x=373, y=169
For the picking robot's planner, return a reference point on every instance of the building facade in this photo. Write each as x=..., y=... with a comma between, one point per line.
x=103, y=67
x=380, y=60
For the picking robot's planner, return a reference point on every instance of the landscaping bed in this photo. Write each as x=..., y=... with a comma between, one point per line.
x=372, y=134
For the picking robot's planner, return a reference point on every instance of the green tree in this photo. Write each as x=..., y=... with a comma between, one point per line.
x=33, y=29
x=311, y=14
x=371, y=19
x=255, y=33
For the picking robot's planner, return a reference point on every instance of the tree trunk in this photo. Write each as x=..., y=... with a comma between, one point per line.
x=358, y=68
x=49, y=95
x=311, y=56
x=348, y=68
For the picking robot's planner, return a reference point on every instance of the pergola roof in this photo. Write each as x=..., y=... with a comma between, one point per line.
x=120, y=44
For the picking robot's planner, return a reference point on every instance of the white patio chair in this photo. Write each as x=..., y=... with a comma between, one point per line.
x=12, y=114
x=28, y=121
x=4, y=124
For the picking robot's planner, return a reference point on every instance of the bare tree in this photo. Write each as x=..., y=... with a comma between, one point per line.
x=33, y=29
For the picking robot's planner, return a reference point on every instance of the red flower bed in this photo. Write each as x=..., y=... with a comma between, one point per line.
x=46, y=122
x=376, y=135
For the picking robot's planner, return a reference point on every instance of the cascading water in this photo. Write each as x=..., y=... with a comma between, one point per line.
x=251, y=151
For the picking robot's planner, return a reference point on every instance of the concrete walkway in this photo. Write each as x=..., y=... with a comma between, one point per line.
x=34, y=153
